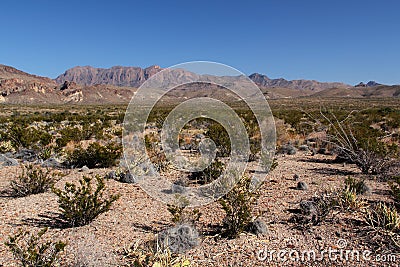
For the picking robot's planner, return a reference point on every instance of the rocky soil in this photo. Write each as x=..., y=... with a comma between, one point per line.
x=136, y=216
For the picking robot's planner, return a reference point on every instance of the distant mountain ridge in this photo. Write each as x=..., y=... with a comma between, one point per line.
x=116, y=85
x=312, y=85
x=135, y=76
x=117, y=75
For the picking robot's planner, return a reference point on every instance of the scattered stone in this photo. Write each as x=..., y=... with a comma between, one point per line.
x=258, y=227
x=85, y=169
x=51, y=163
x=308, y=207
x=179, y=238
x=177, y=189
x=6, y=161
x=296, y=177
x=288, y=149
x=127, y=178
x=111, y=175
x=302, y=186
x=26, y=155
x=303, y=148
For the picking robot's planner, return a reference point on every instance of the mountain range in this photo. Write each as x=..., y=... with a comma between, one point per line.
x=89, y=85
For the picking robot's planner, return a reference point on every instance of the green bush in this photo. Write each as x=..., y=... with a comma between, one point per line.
x=95, y=155
x=238, y=205
x=32, y=180
x=81, y=205
x=30, y=252
x=22, y=136
x=221, y=139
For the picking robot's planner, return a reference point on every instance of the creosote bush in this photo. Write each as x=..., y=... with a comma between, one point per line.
x=95, y=155
x=81, y=205
x=31, y=252
x=238, y=205
x=32, y=180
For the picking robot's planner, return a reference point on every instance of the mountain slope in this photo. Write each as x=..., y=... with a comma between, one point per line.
x=117, y=75
x=311, y=85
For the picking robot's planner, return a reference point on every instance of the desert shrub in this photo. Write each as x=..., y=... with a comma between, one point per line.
x=22, y=136
x=32, y=180
x=182, y=214
x=238, y=205
x=221, y=139
x=81, y=205
x=209, y=174
x=361, y=144
x=95, y=155
x=30, y=251
x=382, y=216
x=357, y=186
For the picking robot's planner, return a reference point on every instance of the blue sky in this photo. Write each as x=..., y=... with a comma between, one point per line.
x=349, y=41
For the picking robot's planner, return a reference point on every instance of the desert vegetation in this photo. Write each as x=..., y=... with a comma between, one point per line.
x=336, y=167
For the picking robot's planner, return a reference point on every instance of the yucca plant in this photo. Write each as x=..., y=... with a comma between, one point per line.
x=347, y=199
x=383, y=216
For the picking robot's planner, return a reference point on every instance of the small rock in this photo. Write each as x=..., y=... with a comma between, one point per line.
x=302, y=186
x=5, y=161
x=111, y=175
x=51, y=163
x=179, y=238
x=127, y=178
x=303, y=148
x=177, y=189
x=308, y=207
x=85, y=169
x=296, y=177
x=258, y=227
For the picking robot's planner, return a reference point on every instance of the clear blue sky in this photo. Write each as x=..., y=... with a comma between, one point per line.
x=340, y=40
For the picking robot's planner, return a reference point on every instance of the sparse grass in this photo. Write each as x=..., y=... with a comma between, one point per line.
x=81, y=205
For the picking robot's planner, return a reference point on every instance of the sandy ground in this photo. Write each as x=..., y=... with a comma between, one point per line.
x=136, y=216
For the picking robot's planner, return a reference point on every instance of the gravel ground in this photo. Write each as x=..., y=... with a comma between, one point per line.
x=136, y=216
